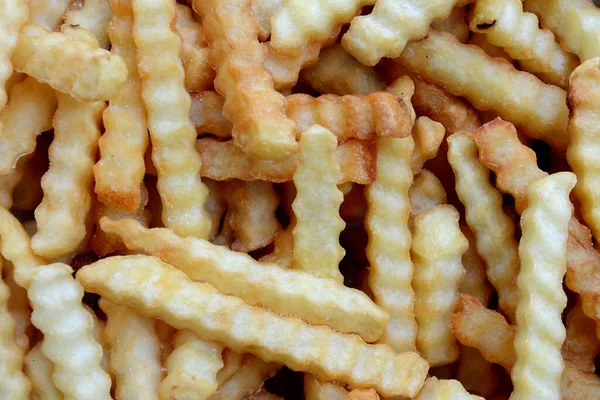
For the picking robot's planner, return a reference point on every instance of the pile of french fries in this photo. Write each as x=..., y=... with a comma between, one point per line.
x=383, y=196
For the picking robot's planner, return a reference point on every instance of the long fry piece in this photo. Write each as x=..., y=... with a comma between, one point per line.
x=162, y=291
x=13, y=15
x=168, y=106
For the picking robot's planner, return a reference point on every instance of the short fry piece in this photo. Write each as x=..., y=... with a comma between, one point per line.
x=317, y=247
x=437, y=248
x=404, y=88
x=315, y=389
x=581, y=343
x=13, y=15
x=18, y=306
x=362, y=394
x=56, y=299
x=164, y=292
x=428, y=136
x=39, y=370
x=95, y=16
x=207, y=114
x=425, y=192
x=248, y=379
x=440, y=389
x=77, y=68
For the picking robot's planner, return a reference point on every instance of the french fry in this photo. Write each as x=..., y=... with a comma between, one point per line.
x=315, y=389
x=56, y=300
x=207, y=114
x=247, y=380
x=506, y=25
x=199, y=75
x=232, y=362
x=39, y=370
x=168, y=106
x=86, y=72
x=476, y=373
x=134, y=352
x=425, y=192
x=28, y=193
x=581, y=344
x=539, y=110
x=34, y=103
x=438, y=389
x=48, y=13
x=62, y=214
x=191, y=368
x=18, y=305
x=98, y=326
x=257, y=283
x=262, y=394
x=120, y=170
x=283, y=249
x=475, y=282
x=428, y=136
x=404, y=88
x=437, y=248
x=263, y=11
x=585, y=139
x=392, y=23
x=339, y=73
x=480, y=40
x=575, y=24
x=9, y=181
x=362, y=394
x=260, y=126
x=317, y=247
x=13, y=15
x=494, y=230
x=215, y=206
x=388, y=248
x=165, y=334
x=93, y=15
x=455, y=25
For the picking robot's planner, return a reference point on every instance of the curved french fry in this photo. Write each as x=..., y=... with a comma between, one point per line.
x=39, y=370
x=13, y=15
x=95, y=16
x=249, y=379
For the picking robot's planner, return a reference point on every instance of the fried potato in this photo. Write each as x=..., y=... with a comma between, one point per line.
x=232, y=362
x=251, y=213
x=581, y=344
x=425, y=192
x=388, y=248
x=285, y=292
x=315, y=389
x=168, y=106
x=362, y=394
x=260, y=126
x=48, y=13
x=585, y=139
x=85, y=72
x=480, y=40
x=283, y=249
x=263, y=11
x=392, y=23
x=93, y=15
x=439, y=389
x=215, y=206
x=159, y=290
x=339, y=73
x=18, y=306
x=475, y=282
x=13, y=15
x=191, y=368
x=9, y=182
x=428, y=136
x=506, y=25
x=134, y=352
x=574, y=22
x=39, y=370
x=207, y=114
x=539, y=110
x=455, y=25
x=404, y=88
x=317, y=247
x=120, y=170
x=62, y=214
x=56, y=300
x=247, y=380
x=437, y=248
x=494, y=230
x=476, y=373
x=262, y=394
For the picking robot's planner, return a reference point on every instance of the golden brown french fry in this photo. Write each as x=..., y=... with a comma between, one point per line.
x=428, y=136
x=475, y=282
x=263, y=11
x=455, y=24
x=438, y=389
x=207, y=114
x=315, y=389
x=581, y=344
x=425, y=192
x=251, y=102
x=539, y=110
x=93, y=15
x=13, y=15
x=159, y=290
x=48, y=13
x=39, y=370
x=249, y=378
x=476, y=373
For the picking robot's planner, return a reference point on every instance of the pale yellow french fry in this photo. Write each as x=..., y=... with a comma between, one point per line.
x=159, y=290
x=98, y=326
x=232, y=362
x=439, y=389
x=207, y=114
x=315, y=389
x=9, y=182
x=393, y=23
x=282, y=291
x=248, y=379
x=13, y=15
x=539, y=110
x=480, y=40
x=56, y=300
x=388, y=249
x=455, y=24
x=506, y=25
x=362, y=394
x=494, y=230
x=542, y=250
x=425, y=192
x=165, y=334
x=263, y=11
x=475, y=282
x=575, y=23
x=62, y=214
x=39, y=370
x=437, y=248
x=28, y=113
x=120, y=171
x=134, y=352
x=93, y=15
x=404, y=88
x=428, y=136
x=18, y=305
x=283, y=249
x=48, y=13
x=251, y=103
x=168, y=106
x=192, y=368
x=84, y=71
x=584, y=137
x=581, y=344
x=317, y=247
x=476, y=373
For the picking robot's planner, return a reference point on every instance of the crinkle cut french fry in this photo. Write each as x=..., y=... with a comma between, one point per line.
x=13, y=15
x=14, y=384
x=168, y=105
x=251, y=103
x=584, y=134
x=425, y=192
x=404, y=88
x=48, y=13
x=581, y=344
x=388, y=248
x=428, y=136
x=18, y=305
x=353, y=116
x=62, y=214
x=455, y=24
x=192, y=368
x=9, y=182
x=542, y=251
x=120, y=170
x=476, y=373
x=93, y=15
x=315, y=389
x=199, y=75
x=251, y=213
x=283, y=249
x=392, y=23
x=215, y=206
x=362, y=394
x=438, y=389
x=337, y=72
x=475, y=282
x=480, y=40
x=257, y=283
x=85, y=72
x=317, y=246
x=263, y=11
x=98, y=326
x=34, y=103
x=506, y=25
x=224, y=160
x=247, y=380
x=539, y=110
x=207, y=114
x=494, y=230
x=232, y=362
x=39, y=369
x=575, y=23
x=56, y=300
